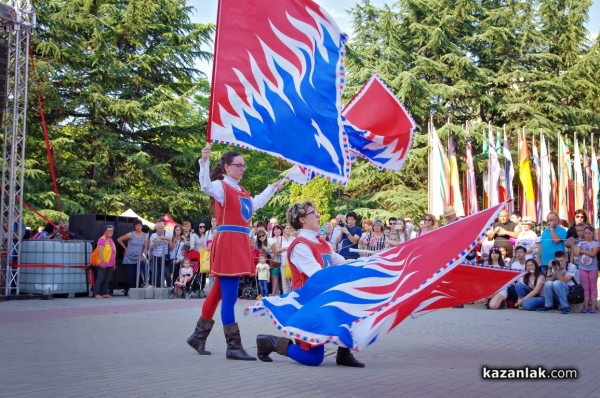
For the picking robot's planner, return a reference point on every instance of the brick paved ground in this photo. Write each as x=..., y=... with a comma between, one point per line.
x=136, y=348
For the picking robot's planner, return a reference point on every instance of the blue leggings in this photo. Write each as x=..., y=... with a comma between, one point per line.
x=225, y=289
x=312, y=357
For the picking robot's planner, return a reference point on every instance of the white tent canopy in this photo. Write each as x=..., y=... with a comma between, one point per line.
x=131, y=213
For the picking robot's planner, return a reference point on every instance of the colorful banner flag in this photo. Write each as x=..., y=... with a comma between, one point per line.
x=537, y=172
x=354, y=304
x=528, y=207
x=563, y=179
x=578, y=177
x=493, y=170
x=277, y=83
x=439, y=174
x=471, y=191
x=595, y=185
x=455, y=194
x=587, y=184
x=544, y=203
x=381, y=129
x=555, y=197
x=509, y=172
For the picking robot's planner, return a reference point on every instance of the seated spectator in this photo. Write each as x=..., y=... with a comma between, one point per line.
x=509, y=292
x=530, y=288
x=561, y=274
x=527, y=237
x=185, y=275
x=496, y=261
x=587, y=254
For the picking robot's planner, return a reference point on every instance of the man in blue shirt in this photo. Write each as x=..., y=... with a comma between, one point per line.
x=551, y=241
x=349, y=236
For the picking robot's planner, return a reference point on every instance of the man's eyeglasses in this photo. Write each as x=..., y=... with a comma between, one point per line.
x=240, y=165
x=312, y=212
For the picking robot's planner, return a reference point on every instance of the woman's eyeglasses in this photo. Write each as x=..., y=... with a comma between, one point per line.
x=427, y=219
x=240, y=165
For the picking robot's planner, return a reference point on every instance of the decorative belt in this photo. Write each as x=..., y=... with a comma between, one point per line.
x=233, y=228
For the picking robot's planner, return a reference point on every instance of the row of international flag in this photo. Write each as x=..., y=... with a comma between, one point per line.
x=563, y=182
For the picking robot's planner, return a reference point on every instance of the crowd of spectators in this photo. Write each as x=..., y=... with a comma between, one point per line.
x=555, y=253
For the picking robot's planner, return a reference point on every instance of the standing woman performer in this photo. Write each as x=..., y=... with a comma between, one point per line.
x=230, y=255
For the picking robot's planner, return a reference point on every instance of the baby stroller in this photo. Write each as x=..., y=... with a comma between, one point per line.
x=192, y=286
x=248, y=288
x=195, y=285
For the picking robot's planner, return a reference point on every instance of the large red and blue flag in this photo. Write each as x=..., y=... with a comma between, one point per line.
x=277, y=86
x=354, y=304
x=277, y=83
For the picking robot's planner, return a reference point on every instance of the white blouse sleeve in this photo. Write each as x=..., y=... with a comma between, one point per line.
x=211, y=188
x=261, y=199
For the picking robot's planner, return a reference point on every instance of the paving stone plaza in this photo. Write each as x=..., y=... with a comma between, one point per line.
x=122, y=347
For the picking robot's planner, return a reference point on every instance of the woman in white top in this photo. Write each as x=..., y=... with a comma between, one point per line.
x=198, y=239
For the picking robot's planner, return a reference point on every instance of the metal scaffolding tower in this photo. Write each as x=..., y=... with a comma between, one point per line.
x=17, y=20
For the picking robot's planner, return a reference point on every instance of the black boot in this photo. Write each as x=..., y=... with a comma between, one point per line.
x=198, y=340
x=345, y=358
x=266, y=344
x=234, y=344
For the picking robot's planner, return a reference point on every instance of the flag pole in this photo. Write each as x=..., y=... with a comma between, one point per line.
x=429, y=157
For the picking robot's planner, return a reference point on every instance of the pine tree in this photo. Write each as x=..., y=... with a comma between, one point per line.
x=119, y=85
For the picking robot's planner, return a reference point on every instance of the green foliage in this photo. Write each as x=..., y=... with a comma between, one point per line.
x=34, y=221
x=320, y=192
x=126, y=108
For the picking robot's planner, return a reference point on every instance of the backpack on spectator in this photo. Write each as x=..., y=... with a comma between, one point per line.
x=575, y=295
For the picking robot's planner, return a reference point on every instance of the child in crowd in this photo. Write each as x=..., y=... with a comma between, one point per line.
x=586, y=252
x=262, y=273
x=393, y=240
x=185, y=274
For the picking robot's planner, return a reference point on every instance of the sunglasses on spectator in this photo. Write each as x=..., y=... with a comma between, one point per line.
x=427, y=219
x=201, y=226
